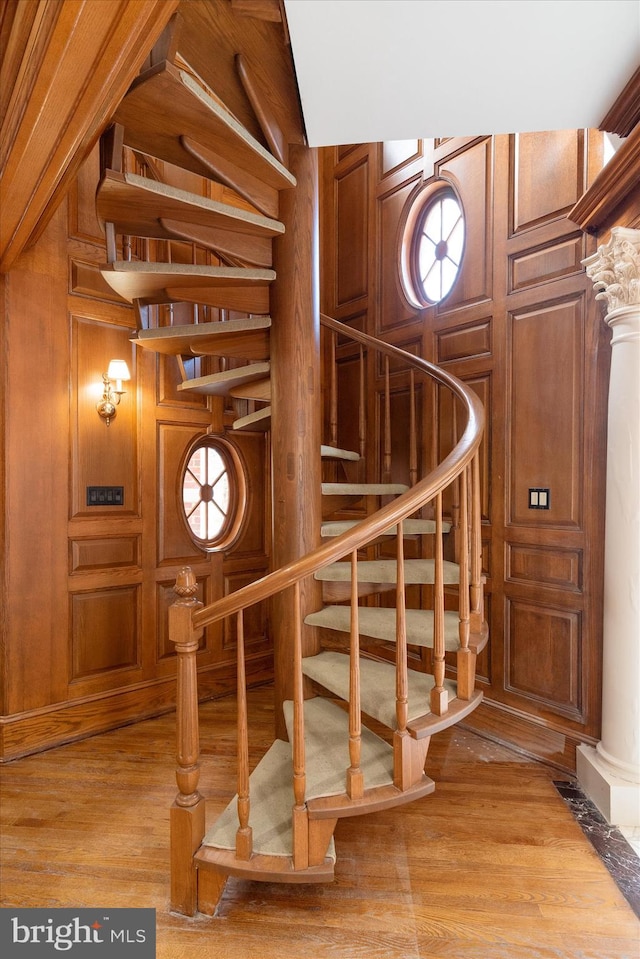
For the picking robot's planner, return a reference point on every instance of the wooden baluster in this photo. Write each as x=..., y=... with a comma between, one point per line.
x=476, y=590
x=413, y=452
x=355, y=776
x=386, y=463
x=362, y=408
x=439, y=700
x=300, y=820
x=187, y=816
x=244, y=835
x=455, y=489
x=401, y=738
x=465, y=658
x=333, y=390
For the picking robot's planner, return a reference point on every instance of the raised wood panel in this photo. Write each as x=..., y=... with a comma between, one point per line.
x=173, y=543
x=252, y=542
x=547, y=176
x=471, y=173
x=464, y=342
x=169, y=378
x=544, y=656
x=348, y=372
x=549, y=262
x=105, y=633
x=83, y=219
x=352, y=234
x=448, y=436
x=102, y=455
x=102, y=553
x=395, y=154
x=393, y=309
x=400, y=413
x=545, y=405
x=544, y=566
x=35, y=427
x=255, y=619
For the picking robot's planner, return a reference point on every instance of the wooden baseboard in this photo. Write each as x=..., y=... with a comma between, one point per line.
x=36, y=730
x=529, y=736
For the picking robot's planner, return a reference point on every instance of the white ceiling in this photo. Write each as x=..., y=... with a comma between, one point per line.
x=372, y=70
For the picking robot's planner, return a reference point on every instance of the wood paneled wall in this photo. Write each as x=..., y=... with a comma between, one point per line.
x=522, y=327
x=87, y=588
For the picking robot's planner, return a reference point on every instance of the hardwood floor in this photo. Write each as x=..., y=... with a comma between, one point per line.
x=491, y=866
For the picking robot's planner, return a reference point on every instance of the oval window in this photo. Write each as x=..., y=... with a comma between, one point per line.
x=432, y=245
x=212, y=492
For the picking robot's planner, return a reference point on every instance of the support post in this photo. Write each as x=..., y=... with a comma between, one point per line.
x=610, y=773
x=296, y=404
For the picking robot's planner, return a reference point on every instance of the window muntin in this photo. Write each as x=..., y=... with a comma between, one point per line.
x=212, y=493
x=432, y=244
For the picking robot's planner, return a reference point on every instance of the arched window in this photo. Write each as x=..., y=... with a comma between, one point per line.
x=212, y=492
x=432, y=244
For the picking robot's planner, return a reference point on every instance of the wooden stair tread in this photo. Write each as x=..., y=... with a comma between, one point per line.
x=416, y=571
x=152, y=128
x=244, y=338
x=332, y=452
x=380, y=623
x=271, y=795
x=234, y=287
x=330, y=669
x=363, y=489
x=259, y=420
x=411, y=527
x=135, y=204
x=326, y=741
x=221, y=384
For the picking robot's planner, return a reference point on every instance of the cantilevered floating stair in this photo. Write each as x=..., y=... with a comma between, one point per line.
x=232, y=288
x=139, y=206
x=199, y=134
x=279, y=827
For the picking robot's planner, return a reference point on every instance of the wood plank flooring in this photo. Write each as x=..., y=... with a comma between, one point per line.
x=491, y=866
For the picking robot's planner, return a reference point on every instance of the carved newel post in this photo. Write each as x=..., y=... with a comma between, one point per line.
x=610, y=773
x=187, y=817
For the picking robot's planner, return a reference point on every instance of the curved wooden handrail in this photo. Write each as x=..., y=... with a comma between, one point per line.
x=375, y=525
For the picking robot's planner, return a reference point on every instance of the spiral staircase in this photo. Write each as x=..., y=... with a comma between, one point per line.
x=383, y=677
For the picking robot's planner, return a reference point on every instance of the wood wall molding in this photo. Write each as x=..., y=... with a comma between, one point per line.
x=68, y=66
x=625, y=112
x=614, y=196
x=35, y=730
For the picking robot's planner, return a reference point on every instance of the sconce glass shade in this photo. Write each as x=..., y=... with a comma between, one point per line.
x=112, y=394
x=118, y=370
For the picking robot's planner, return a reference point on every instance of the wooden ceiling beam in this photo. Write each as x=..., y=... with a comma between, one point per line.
x=69, y=66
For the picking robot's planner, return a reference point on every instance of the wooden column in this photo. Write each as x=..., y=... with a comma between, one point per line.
x=610, y=773
x=295, y=408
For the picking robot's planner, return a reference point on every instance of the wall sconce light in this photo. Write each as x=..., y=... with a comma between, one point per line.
x=112, y=394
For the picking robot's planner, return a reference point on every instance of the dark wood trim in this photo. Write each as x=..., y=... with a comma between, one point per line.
x=532, y=737
x=616, y=188
x=38, y=729
x=625, y=112
x=64, y=93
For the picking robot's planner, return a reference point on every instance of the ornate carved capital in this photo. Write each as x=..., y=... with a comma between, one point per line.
x=615, y=269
